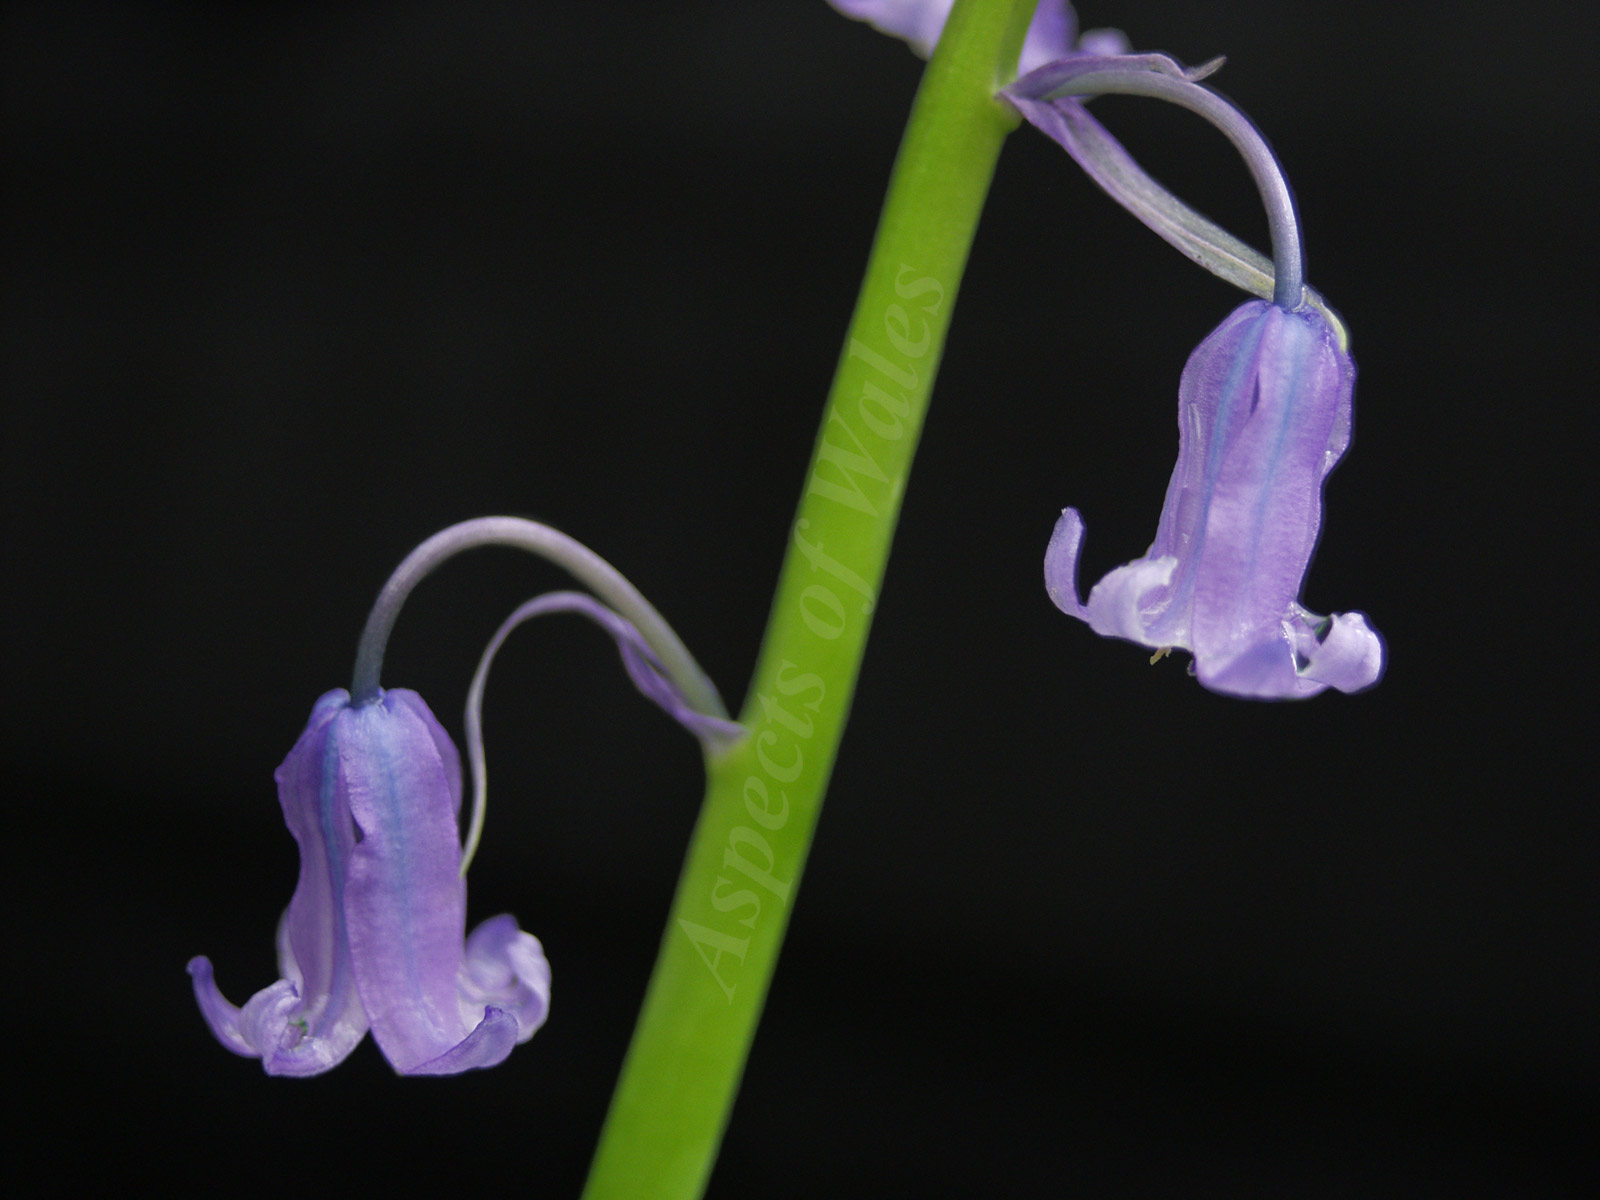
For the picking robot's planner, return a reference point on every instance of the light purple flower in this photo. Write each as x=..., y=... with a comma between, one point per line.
x=373, y=937
x=1263, y=416
x=1052, y=35
x=1264, y=406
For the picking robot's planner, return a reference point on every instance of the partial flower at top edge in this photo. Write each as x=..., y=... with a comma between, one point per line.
x=1053, y=33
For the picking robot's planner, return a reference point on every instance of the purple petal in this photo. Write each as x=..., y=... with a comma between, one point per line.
x=404, y=900
x=313, y=948
x=1341, y=651
x=1272, y=413
x=1262, y=669
x=219, y=1014
x=486, y=1046
x=1051, y=35
x=918, y=22
x=272, y=1027
x=312, y=1018
x=1061, y=564
x=1129, y=600
x=1124, y=603
x=505, y=969
x=448, y=755
x=268, y=1023
x=1213, y=405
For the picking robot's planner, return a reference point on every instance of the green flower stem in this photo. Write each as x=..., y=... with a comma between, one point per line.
x=743, y=867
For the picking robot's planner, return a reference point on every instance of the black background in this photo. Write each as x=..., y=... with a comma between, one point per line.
x=288, y=288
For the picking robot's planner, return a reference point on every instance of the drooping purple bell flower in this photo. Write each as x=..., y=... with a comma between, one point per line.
x=1264, y=405
x=374, y=936
x=1263, y=416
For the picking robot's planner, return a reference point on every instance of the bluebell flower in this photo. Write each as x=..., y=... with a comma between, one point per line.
x=1263, y=416
x=375, y=934
x=1264, y=404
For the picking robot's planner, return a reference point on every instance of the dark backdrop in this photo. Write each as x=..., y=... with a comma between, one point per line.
x=288, y=288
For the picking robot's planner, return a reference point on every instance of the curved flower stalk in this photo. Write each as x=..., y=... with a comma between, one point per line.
x=581, y=562
x=375, y=934
x=1066, y=121
x=641, y=663
x=1052, y=41
x=1049, y=98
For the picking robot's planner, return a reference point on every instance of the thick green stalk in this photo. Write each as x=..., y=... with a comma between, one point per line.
x=743, y=867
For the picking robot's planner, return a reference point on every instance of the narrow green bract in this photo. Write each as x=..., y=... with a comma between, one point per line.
x=743, y=868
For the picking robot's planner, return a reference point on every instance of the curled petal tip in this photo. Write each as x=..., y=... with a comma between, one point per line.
x=506, y=969
x=1351, y=656
x=222, y=1017
x=1128, y=601
x=489, y=1045
x=1061, y=563
x=274, y=1026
